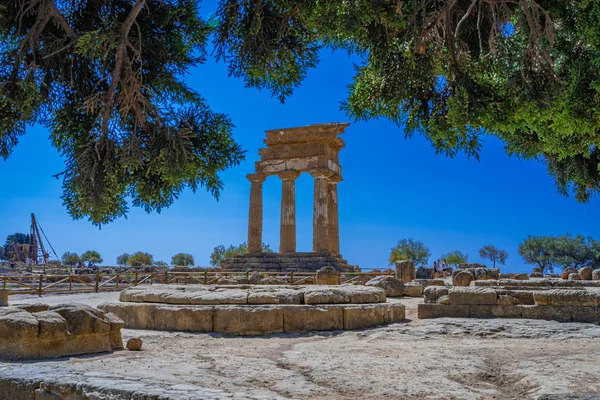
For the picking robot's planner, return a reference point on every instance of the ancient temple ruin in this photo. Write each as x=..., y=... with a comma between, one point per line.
x=289, y=152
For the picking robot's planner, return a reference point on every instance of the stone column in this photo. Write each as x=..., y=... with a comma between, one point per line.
x=287, y=233
x=255, y=216
x=320, y=211
x=332, y=211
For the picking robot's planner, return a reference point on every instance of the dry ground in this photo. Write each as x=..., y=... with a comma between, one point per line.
x=419, y=359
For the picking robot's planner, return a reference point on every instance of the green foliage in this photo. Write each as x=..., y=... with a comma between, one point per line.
x=19, y=238
x=105, y=77
x=453, y=71
x=489, y=252
x=454, y=258
x=2, y=253
x=71, y=258
x=410, y=249
x=159, y=264
x=549, y=252
x=182, y=259
x=91, y=256
x=140, y=258
x=221, y=252
x=122, y=259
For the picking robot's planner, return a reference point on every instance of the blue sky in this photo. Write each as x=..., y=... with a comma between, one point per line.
x=392, y=188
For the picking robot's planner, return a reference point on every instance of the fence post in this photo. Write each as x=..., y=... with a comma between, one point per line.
x=4, y=284
x=117, y=279
x=205, y=277
x=166, y=277
x=339, y=277
x=70, y=283
x=136, y=278
x=41, y=287
x=292, y=278
x=97, y=283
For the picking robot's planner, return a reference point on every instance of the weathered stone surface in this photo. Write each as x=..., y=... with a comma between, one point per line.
x=425, y=311
x=275, y=296
x=492, y=311
x=430, y=282
x=424, y=272
x=462, y=278
x=393, y=287
x=549, y=313
x=413, y=289
x=313, y=318
x=443, y=300
x=472, y=295
x=432, y=293
x=328, y=276
x=585, y=274
x=405, y=271
x=396, y=312
x=134, y=344
x=253, y=320
x=596, y=274
x=566, y=272
x=363, y=316
x=343, y=294
x=64, y=330
x=563, y=297
x=573, y=276
x=34, y=307
x=255, y=277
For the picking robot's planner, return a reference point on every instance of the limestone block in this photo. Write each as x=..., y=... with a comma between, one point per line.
x=521, y=277
x=585, y=314
x=492, y=273
x=325, y=296
x=485, y=283
x=393, y=287
x=565, y=297
x=364, y=316
x=135, y=315
x=405, y=271
x=472, y=295
x=462, y=278
x=4, y=297
x=343, y=294
x=443, y=300
x=432, y=293
x=423, y=272
x=33, y=308
x=313, y=318
x=480, y=273
x=17, y=324
x=549, y=313
x=425, y=311
x=52, y=326
x=242, y=320
x=596, y=274
x=585, y=274
x=114, y=335
x=413, y=289
x=182, y=318
x=491, y=311
x=279, y=296
x=396, y=312
x=504, y=300
x=82, y=319
x=256, y=277
x=566, y=272
x=430, y=282
x=328, y=276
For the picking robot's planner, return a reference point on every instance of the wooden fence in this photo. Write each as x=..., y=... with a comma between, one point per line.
x=45, y=284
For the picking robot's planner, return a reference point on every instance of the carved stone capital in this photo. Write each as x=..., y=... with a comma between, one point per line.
x=257, y=177
x=336, y=178
x=321, y=173
x=289, y=175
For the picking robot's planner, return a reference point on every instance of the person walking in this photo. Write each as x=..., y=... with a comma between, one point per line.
x=435, y=269
x=444, y=268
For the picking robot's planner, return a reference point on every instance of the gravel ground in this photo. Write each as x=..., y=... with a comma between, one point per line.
x=418, y=359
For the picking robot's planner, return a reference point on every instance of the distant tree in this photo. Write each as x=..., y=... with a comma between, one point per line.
x=182, y=259
x=140, y=258
x=2, y=254
x=410, y=249
x=539, y=250
x=489, y=252
x=122, y=259
x=455, y=258
x=595, y=252
x=221, y=252
x=70, y=258
x=91, y=256
x=572, y=251
x=160, y=264
x=19, y=238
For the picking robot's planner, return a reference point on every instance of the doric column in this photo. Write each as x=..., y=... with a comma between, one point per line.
x=320, y=211
x=332, y=211
x=287, y=233
x=255, y=216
